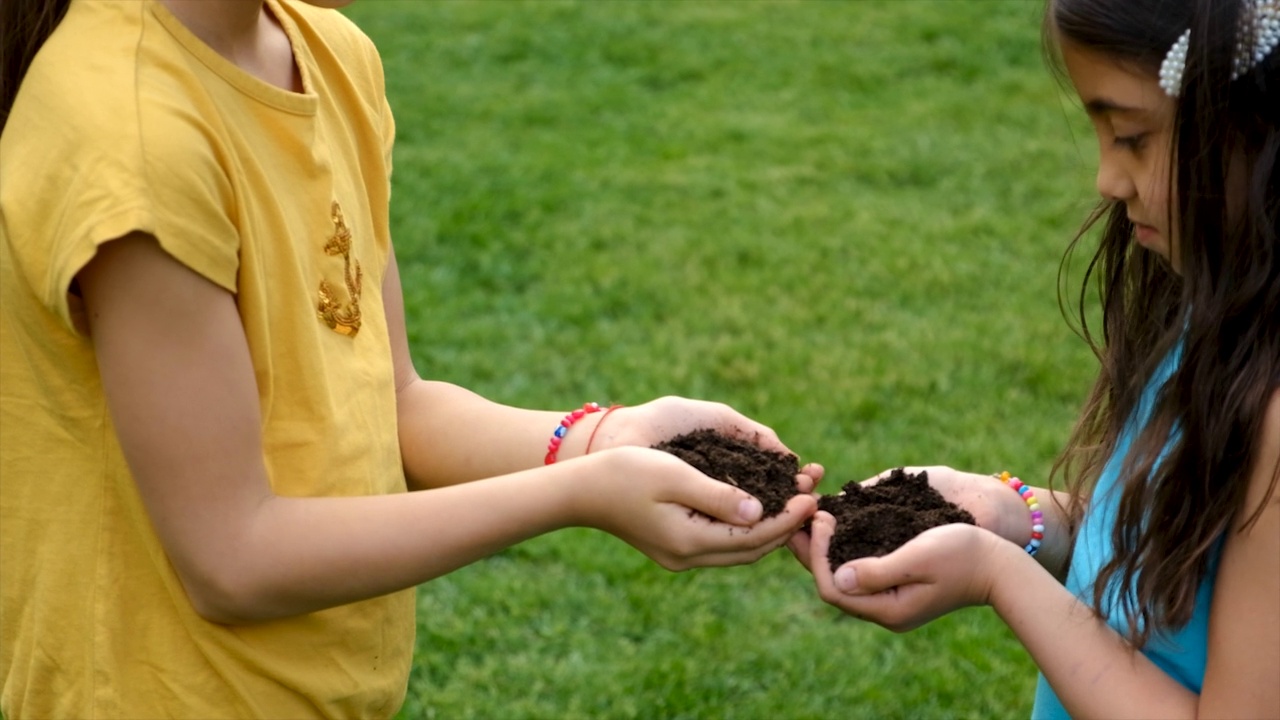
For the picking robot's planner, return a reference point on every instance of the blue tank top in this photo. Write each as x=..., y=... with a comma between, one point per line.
x=1182, y=652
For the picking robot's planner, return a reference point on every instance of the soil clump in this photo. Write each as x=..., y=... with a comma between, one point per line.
x=878, y=519
x=769, y=476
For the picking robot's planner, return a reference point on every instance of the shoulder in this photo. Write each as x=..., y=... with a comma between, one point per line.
x=101, y=141
x=1265, y=474
x=1243, y=627
x=1271, y=421
x=94, y=115
x=347, y=63
x=73, y=99
x=335, y=33
x=70, y=160
x=324, y=19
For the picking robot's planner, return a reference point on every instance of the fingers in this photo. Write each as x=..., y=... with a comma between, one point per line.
x=896, y=609
x=799, y=509
x=918, y=562
x=739, y=557
x=820, y=531
x=809, y=477
x=799, y=547
x=873, y=606
x=718, y=544
x=718, y=500
x=743, y=428
x=875, y=575
x=672, y=415
x=736, y=425
x=849, y=579
x=868, y=576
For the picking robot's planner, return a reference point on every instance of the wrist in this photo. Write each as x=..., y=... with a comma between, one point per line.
x=574, y=444
x=1022, y=519
x=605, y=440
x=1008, y=567
x=570, y=436
x=589, y=495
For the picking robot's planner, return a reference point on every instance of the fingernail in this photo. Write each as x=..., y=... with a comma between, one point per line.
x=750, y=510
x=846, y=579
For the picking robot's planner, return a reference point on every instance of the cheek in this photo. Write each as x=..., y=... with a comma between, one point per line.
x=1157, y=200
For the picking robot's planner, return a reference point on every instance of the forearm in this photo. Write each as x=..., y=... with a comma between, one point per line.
x=298, y=555
x=450, y=435
x=1093, y=670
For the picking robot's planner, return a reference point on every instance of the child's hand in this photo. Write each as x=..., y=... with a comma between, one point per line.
x=993, y=505
x=942, y=569
x=667, y=417
x=978, y=494
x=679, y=517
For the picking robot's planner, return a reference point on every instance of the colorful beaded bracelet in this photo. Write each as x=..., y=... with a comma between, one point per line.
x=1037, y=517
x=553, y=446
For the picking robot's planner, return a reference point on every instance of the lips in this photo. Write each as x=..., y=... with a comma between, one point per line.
x=1139, y=226
x=1145, y=233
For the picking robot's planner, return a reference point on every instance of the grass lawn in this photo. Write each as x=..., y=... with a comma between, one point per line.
x=843, y=218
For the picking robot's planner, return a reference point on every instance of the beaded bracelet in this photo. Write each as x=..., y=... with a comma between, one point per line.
x=553, y=446
x=1037, y=517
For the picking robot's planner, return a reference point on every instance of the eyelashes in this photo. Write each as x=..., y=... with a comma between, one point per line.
x=1133, y=143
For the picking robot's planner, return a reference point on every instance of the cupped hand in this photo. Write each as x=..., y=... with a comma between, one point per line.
x=993, y=505
x=940, y=570
x=679, y=517
x=668, y=417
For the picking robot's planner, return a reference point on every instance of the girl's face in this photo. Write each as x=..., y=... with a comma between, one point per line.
x=1133, y=119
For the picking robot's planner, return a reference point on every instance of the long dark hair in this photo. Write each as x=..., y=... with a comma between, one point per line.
x=1187, y=473
x=24, y=26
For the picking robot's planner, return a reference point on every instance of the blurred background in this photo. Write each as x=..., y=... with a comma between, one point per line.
x=844, y=218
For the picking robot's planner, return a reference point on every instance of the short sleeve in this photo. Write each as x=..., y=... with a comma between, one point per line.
x=388, y=135
x=81, y=166
x=193, y=199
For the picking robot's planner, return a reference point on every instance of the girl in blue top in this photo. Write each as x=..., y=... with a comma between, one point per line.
x=1150, y=585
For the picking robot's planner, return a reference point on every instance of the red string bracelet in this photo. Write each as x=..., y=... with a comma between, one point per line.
x=596, y=429
x=553, y=446
x=1037, y=517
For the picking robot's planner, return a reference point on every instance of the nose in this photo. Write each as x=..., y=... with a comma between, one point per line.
x=1113, y=182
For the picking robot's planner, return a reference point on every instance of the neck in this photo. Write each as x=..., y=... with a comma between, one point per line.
x=222, y=24
x=244, y=32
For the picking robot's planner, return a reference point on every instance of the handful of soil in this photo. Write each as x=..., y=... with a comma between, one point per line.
x=878, y=519
x=769, y=476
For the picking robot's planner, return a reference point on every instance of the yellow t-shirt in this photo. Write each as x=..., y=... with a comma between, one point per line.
x=127, y=122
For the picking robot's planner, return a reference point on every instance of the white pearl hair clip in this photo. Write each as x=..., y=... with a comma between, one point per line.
x=1260, y=24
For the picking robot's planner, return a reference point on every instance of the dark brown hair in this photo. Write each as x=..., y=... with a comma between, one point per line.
x=24, y=26
x=1185, y=478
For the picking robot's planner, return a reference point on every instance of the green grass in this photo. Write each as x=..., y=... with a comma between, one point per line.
x=842, y=218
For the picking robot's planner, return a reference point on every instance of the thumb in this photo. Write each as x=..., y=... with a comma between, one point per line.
x=721, y=501
x=866, y=576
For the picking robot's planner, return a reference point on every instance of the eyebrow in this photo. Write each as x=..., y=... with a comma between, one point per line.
x=1101, y=106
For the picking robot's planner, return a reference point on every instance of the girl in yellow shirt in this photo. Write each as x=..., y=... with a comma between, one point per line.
x=210, y=414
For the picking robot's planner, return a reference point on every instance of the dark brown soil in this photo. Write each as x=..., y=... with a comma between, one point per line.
x=878, y=519
x=769, y=476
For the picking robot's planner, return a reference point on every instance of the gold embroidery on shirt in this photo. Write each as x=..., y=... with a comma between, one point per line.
x=342, y=318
